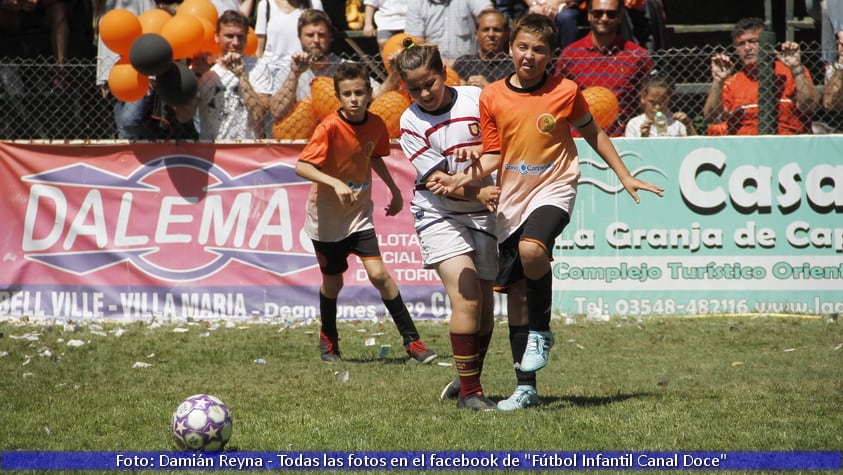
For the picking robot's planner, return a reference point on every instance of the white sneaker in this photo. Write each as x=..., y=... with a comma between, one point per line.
x=537, y=351
x=522, y=398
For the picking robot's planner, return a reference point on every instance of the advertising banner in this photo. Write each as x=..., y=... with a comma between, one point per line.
x=174, y=231
x=746, y=225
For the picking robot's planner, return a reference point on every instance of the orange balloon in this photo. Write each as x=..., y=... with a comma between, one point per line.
x=118, y=29
x=126, y=83
x=299, y=125
x=152, y=21
x=393, y=46
x=185, y=33
x=199, y=9
x=251, y=43
x=389, y=106
x=452, y=78
x=325, y=100
x=603, y=104
x=209, y=39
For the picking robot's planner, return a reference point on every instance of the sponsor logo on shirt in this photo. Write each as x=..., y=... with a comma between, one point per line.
x=529, y=169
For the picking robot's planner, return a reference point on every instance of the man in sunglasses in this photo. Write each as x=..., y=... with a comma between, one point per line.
x=605, y=58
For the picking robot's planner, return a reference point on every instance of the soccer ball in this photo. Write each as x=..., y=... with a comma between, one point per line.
x=201, y=423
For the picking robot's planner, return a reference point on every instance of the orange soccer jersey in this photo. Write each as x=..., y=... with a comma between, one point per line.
x=344, y=151
x=741, y=92
x=531, y=130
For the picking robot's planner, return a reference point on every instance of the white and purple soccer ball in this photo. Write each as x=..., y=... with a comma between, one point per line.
x=201, y=423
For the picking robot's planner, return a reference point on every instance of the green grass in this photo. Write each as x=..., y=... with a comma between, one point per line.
x=660, y=384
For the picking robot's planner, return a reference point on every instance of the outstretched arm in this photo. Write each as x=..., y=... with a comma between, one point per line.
x=602, y=144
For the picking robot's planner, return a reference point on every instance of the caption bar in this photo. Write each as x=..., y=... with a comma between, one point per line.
x=421, y=460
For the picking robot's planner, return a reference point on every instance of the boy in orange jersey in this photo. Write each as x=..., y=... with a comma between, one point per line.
x=339, y=160
x=525, y=121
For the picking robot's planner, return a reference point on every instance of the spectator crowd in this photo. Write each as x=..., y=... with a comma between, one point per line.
x=619, y=45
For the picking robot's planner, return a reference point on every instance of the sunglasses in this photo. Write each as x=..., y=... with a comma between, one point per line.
x=609, y=13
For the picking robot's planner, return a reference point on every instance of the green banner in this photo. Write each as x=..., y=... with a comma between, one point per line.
x=747, y=225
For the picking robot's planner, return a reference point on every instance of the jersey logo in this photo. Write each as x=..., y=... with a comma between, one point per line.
x=546, y=123
x=474, y=129
x=368, y=149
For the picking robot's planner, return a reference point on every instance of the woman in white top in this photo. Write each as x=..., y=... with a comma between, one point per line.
x=384, y=18
x=243, y=6
x=277, y=26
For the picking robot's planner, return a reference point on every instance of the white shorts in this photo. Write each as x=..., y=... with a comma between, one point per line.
x=458, y=235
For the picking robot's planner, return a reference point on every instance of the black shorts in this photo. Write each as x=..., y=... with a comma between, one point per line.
x=333, y=256
x=542, y=226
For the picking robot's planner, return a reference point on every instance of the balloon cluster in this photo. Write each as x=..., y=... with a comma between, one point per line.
x=301, y=122
x=152, y=43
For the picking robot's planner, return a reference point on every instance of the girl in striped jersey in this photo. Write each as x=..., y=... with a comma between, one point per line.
x=440, y=134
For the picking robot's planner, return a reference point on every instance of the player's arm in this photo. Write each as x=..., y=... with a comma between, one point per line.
x=487, y=195
x=602, y=144
x=397, y=201
x=481, y=168
x=308, y=171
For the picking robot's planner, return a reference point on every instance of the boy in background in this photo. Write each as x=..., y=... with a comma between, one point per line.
x=339, y=160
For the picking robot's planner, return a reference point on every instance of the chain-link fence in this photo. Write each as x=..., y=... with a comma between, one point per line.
x=36, y=106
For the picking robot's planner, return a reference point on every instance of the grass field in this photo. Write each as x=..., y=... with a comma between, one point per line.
x=659, y=384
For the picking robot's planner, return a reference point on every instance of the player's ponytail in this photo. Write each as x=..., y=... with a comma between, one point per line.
x=418, y=55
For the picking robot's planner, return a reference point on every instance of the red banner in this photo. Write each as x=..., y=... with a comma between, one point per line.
x=128, y=231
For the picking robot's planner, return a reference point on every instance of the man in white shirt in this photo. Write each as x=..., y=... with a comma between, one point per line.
x=231, y=102
x=448, y=24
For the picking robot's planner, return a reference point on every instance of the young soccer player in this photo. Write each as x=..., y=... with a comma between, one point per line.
x=525, y=121
x=339, y=160
x=456, y=232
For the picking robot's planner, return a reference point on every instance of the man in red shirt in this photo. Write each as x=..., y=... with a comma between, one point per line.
x=732, y=102
x=604, y=58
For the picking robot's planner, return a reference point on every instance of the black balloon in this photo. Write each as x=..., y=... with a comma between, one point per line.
x=151, y=54
x=178, y=85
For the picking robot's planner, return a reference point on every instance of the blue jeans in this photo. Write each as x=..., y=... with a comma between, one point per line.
x=133, y=119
